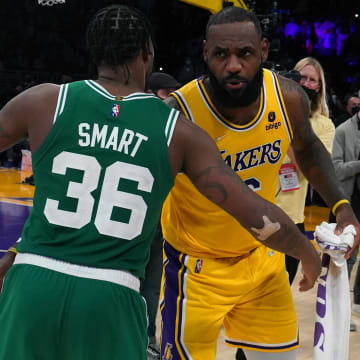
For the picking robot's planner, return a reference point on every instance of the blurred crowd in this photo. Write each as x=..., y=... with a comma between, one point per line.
x=44, y=44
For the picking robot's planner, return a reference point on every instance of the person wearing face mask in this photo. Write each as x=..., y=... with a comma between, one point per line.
x=346, y=160
x=352, y=106
x=291, y=194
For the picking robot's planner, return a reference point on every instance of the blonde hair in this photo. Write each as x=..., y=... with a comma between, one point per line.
x=321, y=104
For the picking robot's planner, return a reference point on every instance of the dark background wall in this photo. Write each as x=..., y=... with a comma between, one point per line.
x=44, y=43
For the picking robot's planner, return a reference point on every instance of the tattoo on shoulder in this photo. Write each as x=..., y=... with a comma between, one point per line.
x=289, y=86
x=172, y=102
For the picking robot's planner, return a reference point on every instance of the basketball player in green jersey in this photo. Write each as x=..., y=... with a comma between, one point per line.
x=105, y=155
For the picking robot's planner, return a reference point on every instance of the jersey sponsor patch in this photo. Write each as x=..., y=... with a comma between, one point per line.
x=271, y=116
x=115, y=110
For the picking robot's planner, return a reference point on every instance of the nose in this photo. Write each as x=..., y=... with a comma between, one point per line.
x=233, y=64
x=305, y=82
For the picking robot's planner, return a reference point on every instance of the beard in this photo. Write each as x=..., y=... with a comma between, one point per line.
x=233, y=98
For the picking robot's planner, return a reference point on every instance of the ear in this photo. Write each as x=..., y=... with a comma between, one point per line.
x=264, y=49
x=145, y=54
x=205, y=51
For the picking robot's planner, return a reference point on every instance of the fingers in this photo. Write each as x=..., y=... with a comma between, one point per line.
x=349, y=253
x=338, y=229
x=306, y=284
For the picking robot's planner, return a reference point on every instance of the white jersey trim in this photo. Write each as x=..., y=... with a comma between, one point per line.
x=119, y=277
x=60, y=101
x=281, y=105
x=185, y=105
x=170, y=125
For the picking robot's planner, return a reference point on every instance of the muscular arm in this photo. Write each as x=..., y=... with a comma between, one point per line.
x=313, y=158
x=193, y=151
x=28, y=114
x=311, y=155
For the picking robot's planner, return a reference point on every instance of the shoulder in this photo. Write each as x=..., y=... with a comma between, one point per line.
x=173, y=103
x=323, y=121
x=346, y=126
x=342, y=129
x=35, y=99
x=296, y=101
x=292, y=92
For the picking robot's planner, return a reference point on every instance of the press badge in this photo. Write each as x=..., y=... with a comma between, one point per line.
x=289, y=180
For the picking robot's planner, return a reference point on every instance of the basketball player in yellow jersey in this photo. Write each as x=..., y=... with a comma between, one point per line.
x=215, y=272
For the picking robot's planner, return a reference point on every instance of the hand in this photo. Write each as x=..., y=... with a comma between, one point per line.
x=345, y=216
x=311, y=270
x=5, y=263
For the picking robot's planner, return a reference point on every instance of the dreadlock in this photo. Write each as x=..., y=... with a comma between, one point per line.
x=232, y=14
x=116, y=34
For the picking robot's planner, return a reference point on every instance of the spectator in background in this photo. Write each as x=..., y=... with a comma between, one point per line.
x=352, y=106
x=292, y=199
x=291, y=29
x=346, y=160
x=161, y=84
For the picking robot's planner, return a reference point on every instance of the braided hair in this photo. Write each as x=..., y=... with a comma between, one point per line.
x=116, y=35
x=232, y=14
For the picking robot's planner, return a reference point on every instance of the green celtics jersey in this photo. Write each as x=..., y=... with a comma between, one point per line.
x=101, y=177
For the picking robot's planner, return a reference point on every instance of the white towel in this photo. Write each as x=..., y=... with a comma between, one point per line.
x=332, y=319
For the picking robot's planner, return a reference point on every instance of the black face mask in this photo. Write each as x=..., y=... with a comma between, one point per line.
x=355, y=110
x=237, y=98
x=311, y=93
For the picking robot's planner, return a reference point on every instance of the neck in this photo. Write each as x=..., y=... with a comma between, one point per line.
x=239, y=115
x=120, y=81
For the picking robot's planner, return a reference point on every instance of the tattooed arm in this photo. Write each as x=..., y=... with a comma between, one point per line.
x=172, y=102
x=312, y=156
x=194, y=152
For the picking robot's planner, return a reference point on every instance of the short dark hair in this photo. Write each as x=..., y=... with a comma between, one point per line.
x=232, y=14
x=348, y=97
x=116, y=34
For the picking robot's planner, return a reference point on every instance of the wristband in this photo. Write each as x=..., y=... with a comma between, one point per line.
x=13, y=250
x=340, y=202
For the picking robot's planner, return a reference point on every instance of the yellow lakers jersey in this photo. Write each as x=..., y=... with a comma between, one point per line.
x=191, y=223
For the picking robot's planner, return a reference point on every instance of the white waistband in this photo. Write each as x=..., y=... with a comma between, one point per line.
x=119, y=277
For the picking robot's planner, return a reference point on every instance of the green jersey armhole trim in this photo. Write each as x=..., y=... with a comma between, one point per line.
x=170, y=125
x=61, y=101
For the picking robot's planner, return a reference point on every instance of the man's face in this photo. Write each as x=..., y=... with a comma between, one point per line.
x=234, y=53
x=354, y=102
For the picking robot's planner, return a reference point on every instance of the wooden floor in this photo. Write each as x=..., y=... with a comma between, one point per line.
x=16, y=202
x=305, y=307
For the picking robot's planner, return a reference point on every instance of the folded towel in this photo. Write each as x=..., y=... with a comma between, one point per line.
x=332, y=319
x=334, y=245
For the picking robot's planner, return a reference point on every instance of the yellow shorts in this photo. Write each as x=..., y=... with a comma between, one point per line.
x=249, y=295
